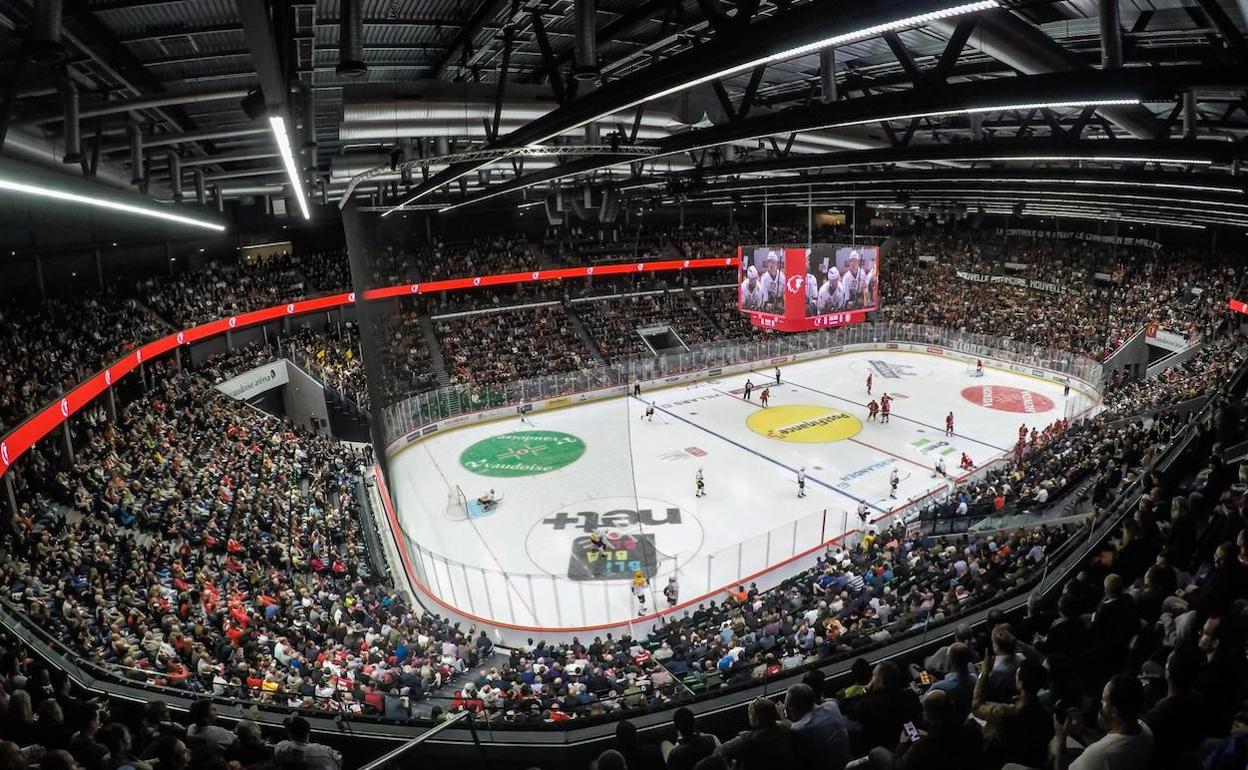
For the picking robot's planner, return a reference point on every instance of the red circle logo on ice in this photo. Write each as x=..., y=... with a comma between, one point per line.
x=1007, y=399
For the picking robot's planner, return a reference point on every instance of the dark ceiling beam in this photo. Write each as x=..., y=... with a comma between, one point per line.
x=735, y=48
x=1007, y=38
x=623, y=24
x=485, y=10
x=160, y=33
x=1222, y=154
x=1162, y=84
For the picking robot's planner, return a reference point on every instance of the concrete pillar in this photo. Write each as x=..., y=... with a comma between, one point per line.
x=1111, y=34
x=8, y=488
x=69, y=442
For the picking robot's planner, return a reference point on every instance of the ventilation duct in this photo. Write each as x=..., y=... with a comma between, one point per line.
x=45, y=32
x=73, y=136
x=609, y=207
x=309, y=125
x=351, y=41
x=174, y=161
x=200, y=196
x=554, y=212
x=586, y=61
x=827, y=74
x=135, y=134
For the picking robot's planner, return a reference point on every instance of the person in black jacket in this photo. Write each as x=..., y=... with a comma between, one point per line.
x=887, y=705
x=768, y=744
x=948, y=741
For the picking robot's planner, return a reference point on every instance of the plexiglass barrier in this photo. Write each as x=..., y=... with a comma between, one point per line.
x=548, y=601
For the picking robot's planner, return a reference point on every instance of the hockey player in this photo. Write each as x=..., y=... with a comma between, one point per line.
x=700, y=483
x=777, y=375
x=862, y=512
x=939, y=469
x=671, y=592
x=884, y=407
x=597, y=542
x=772, y=281
x=872, y=410
x=640, y=584
x=854, y=281
x=649, y=415
x=762, y=397
x=488, y=501
x=966, y=464
x=949, y=424
x=869, y=380
x=753, y=297
x=801, y=482
x=979, y=367
x=893, y=480
x=1022, y=432
x=832, y=294
x=749, y=388
x=1066, y=391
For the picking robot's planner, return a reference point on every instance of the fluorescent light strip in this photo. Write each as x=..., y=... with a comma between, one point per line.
x=105, y=203
x=997, y=108
x=998, y=180
x=1097, y=159
x=848, y=37
x=828, y=42
x=278, y=124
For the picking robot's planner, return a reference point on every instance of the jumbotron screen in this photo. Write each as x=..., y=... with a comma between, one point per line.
x=790, y=289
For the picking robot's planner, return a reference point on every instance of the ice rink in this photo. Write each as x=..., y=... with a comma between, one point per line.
x=603, y=466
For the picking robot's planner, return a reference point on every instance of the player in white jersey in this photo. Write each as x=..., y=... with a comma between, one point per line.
x=700, y=483
x=649, y=415
x=862, y=512
x=939, y=470
x=832, y=297
x=812, y=294
x=854, y=280
x=893, y=480
x=772, y=280
x=753, y=296
x=801, y=482
x=640, y=586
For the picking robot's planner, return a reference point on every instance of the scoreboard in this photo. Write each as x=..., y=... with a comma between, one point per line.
x=791, y=289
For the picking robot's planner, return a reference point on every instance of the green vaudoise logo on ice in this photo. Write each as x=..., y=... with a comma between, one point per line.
x=523, y=453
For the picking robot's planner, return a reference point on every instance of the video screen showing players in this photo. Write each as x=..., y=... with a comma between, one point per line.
x=762, y=280
x=841, y=278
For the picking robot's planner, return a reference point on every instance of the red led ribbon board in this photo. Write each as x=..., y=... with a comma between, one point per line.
x=22, y=438
x=1239, y=306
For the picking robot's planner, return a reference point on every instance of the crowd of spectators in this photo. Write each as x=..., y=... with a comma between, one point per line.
x=493, y=348
x=220, y=290
x=334, y=357
x=1198, y=376
x=48, y=348
x=614, y=323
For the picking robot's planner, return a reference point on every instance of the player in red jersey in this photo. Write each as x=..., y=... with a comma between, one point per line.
x=966, y=464
x=949, y=424
x=762, y=397
x=884, y=402
x=872, y=410
x=868, y=383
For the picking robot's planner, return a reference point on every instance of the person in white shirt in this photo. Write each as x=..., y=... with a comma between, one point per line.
x=832, y=295
x=772, y=281
x=205, y=729
x=855, y=280
x=298, y=752
x=753, y=296
x=1129, y=743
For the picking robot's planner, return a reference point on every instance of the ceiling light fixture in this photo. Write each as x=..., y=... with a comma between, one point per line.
x=105, y=203
x=905, y=22
x=278, y=124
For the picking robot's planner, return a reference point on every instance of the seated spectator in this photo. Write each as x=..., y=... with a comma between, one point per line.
x=205, y=733
x=297, y=751
x=886, y=706
x=769, y=742
x=1018, y=731
x=691, y=746
x=1127, y=745
x=822, y=732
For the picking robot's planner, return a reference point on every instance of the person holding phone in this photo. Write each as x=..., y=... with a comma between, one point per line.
x=1018, y=731
x=1129, y=743
x=947, y=741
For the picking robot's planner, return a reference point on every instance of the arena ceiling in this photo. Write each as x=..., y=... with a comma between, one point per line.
x=1098, y=108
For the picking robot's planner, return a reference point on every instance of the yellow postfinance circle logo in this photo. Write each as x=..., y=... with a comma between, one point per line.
x=804, y=424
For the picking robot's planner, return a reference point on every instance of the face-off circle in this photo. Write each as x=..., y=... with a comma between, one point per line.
x=1004, y=398
x=804, y=424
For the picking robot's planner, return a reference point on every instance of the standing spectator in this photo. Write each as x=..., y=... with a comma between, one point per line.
x=298, y=752
x=89, y=752
x=768, y=744
x=822, y=732
x=691, y=746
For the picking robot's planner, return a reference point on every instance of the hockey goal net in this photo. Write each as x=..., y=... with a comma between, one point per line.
x=456, y=504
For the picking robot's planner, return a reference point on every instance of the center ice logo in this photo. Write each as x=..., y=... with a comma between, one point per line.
x=524, y=453
x=804, y=424
x=892, y=371
x=637, y=533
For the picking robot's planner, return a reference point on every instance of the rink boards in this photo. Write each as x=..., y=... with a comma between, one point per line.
x=590, y=462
